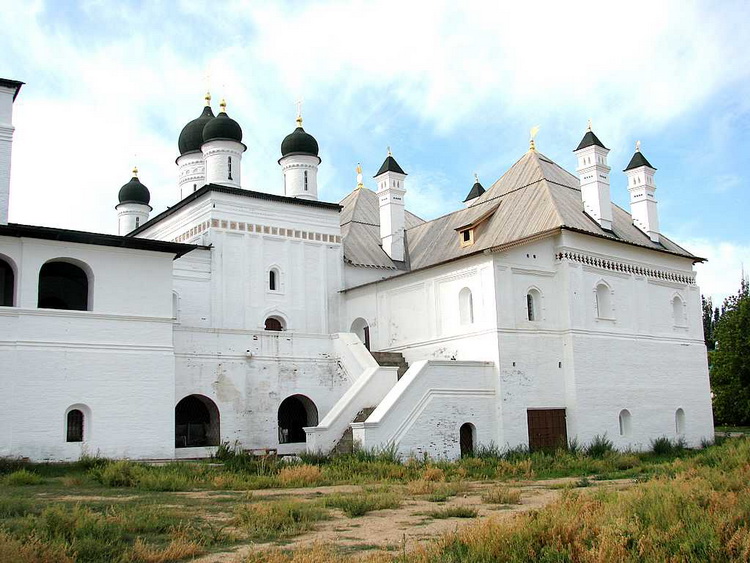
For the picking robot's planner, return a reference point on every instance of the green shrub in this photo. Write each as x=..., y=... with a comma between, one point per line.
x=22, y=477
x=599, y=447
x=663, y=446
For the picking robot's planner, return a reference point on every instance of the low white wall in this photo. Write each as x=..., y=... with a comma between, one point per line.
x=424, y=411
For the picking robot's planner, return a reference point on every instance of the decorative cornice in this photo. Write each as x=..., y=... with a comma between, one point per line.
x=617, y=266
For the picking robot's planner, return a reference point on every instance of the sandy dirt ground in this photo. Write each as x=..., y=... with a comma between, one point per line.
x=408, y=524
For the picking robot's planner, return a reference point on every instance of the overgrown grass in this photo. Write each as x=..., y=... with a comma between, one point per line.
x=502, y=495
x=359, y=504
x=22, y=477
x=453, y=512
x=273, y=520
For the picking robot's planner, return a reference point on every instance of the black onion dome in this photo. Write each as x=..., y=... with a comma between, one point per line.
x=299, y=142
x=191, y=137
x=134, y=192
x=222, y=127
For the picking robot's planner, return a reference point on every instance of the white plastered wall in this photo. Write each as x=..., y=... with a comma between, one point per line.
x=116, y=359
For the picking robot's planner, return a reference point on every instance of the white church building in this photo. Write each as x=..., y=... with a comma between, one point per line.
x=536, y=313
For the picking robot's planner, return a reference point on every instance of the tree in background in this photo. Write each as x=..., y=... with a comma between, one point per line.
x=710, y=318
x=730, y=361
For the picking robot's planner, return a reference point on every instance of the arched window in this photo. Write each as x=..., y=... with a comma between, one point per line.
x=295, y=413
x=74, y=426
x=678, y=311
x=533, y=305
x=229, y=168
x=305, y=180
x=679, y=421
x=274, y=323
x=362, y=330
x=7, y=284
x=624, y=422
x=274, y=280
x=175, y=305
x=63, y=285
x=466, y=306
x=603, y=301
x=196, y=422
x=467, y=439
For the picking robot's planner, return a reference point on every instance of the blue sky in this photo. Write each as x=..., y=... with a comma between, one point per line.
x=453, y=89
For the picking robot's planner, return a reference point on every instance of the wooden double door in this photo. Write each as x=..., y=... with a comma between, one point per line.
x=547, y=429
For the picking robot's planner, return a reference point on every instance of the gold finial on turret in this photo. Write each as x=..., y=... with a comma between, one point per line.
x=533, y=132
x=223, y=105
x=359, y=176
x=389, y=151
x=299, y=113
x=135, y=171
x=207, y=97
x=589, y=129
x=637, y=146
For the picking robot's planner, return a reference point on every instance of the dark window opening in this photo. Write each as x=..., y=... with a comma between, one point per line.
x=229, y=162
x=295, y=413
x=63, y=286
x=305, y=180
x=7, y=284
x=272, y=280
x=196, y=422
x=272, y=323
x=466, y=438
x=75, y=426
x=467, y=236
x=530, y=307
x=137, y=222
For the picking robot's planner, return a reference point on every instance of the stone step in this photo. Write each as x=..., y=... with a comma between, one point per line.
x=346, y=444
x=392, y=359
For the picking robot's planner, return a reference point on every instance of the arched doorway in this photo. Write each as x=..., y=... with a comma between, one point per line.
x=362, y=330
x=295, y=413
x=467, y=438
x=196, y=422
x=7, y=284
x=274, y=323
x=63, y=285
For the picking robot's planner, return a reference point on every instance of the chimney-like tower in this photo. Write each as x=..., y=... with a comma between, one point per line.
x=390, y=179
x=594, y=177
x=641, y=186
x=8, y=93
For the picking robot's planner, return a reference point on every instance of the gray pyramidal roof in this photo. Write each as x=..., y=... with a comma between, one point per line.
x=637, y=161
x=390, y=165
x=589, y=139
x=476, y=190
x=534, y=197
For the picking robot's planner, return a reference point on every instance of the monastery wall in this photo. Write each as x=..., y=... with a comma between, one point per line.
x=114, y=362
x=247, y=374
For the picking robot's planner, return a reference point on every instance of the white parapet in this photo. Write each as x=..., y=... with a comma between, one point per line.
x=424, y=412
x=371, y=382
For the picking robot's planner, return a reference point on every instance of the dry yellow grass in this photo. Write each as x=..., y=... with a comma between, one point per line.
x=502, y=495
x=433, y=474
x=300, y=476
x=177, y=550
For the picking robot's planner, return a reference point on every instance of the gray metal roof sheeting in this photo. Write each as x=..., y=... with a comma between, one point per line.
x=534, y=196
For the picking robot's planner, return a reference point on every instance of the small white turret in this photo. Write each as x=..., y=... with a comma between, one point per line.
x=222, y=149
x=476, y=190
x=299, y=163
x=134, y=208
x=8, y=92
x=594, y=177
x=641, y=186
x=391, y=190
